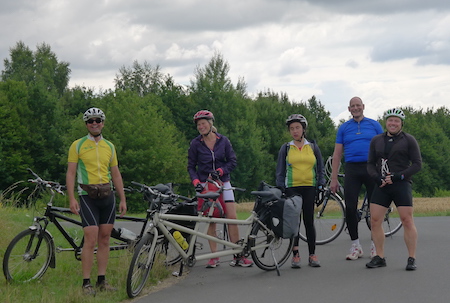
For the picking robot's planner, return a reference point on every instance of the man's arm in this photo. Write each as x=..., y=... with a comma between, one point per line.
x=337, y=156
x=118, y=184
x=70, y=184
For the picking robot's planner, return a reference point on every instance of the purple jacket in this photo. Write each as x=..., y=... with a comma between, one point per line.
x=202, y=161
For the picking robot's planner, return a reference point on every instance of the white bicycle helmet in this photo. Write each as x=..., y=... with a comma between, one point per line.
x=94, y=112
x=297, y=118
x=395, y=112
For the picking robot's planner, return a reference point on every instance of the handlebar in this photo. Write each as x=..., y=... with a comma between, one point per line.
x=48, y=184
x=161, y=190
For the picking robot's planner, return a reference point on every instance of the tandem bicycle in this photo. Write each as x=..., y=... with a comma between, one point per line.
x=267, y=250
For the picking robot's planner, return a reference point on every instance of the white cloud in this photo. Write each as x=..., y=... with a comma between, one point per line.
x=387, y=52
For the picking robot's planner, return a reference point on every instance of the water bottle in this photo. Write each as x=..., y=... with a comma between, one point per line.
x=127, y=234
x=181, y=240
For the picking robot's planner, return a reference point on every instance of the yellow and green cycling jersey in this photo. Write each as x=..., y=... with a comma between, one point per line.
x=93, y=159
x=300, y=166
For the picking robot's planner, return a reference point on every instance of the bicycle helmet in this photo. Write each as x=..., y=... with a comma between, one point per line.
x=203, y=114
x=297, y=118
x=93, y=112
x=395, y=112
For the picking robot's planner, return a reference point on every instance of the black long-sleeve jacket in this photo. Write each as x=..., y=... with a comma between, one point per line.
x=403, y=159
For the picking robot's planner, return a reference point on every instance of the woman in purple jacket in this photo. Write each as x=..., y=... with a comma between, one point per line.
x=212, y=153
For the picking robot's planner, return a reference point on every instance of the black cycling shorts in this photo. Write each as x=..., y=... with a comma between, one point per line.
x=97, y=212
x=400, y=193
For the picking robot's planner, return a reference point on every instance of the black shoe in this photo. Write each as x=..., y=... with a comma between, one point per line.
x=376, y=261
x=411, y=264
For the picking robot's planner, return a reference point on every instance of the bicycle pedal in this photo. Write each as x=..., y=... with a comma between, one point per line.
x=198, y=246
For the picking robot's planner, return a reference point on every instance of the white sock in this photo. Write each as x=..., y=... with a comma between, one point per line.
x=356, y=242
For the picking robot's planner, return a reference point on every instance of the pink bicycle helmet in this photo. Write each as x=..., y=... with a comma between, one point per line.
x=203, y=114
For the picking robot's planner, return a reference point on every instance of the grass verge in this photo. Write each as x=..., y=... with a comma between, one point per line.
x=63, y=283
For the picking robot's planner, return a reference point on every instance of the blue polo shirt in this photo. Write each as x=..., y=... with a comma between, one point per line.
x=356, y=137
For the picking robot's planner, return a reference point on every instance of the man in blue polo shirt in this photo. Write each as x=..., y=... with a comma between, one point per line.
x=353, y=141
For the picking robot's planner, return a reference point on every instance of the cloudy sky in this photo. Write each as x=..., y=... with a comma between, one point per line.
x=390, y=53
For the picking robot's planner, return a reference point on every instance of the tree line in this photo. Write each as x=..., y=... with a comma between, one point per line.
x=149, y=119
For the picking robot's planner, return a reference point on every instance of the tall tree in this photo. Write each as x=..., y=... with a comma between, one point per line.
x=212, y=89
x=140, y=78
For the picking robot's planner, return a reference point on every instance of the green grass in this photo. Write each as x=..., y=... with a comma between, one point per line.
x=63, y=283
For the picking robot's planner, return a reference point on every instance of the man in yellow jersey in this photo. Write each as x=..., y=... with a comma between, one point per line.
x=92, y=161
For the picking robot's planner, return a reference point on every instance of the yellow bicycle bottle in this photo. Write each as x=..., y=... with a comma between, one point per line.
x=181, y=240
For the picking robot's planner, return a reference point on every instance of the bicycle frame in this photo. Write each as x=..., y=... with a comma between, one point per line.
x=161, y=222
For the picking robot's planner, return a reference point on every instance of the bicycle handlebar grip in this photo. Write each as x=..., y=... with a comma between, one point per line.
x=139, y=184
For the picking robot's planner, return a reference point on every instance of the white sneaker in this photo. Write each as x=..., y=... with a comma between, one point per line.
x=355, y=252
x=373, y=250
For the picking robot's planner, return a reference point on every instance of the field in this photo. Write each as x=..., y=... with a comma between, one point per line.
x=422, y=207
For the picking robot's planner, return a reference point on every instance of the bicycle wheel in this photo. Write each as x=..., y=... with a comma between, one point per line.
x=269, y=251
x=329, y=220
x=28, y=256
x=172, y=255
x=391, y=223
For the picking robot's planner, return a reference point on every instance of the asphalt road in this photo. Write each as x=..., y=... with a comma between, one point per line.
x=338, y=280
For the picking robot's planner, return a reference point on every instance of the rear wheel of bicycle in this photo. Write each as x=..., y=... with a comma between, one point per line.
x=28, y=256
x=329, y=220
x=145, y=256
x=391, y=222
x=268, y=251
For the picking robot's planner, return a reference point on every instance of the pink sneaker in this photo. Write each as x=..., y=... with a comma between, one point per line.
x=212, y=263
x=244, y=262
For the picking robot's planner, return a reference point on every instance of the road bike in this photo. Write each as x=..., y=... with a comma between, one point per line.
x=267, y=250
x=329, y=210
x=33, y=251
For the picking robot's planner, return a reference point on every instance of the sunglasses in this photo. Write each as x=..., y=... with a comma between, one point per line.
x=98, y=120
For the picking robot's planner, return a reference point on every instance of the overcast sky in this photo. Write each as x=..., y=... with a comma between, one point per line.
x=390, y=53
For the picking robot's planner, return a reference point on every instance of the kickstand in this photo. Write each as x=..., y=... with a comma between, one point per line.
x=276, y=263
x=180, y=272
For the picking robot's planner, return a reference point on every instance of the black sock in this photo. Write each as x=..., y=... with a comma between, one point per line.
x=86, y=281
x=295, y=252
x=100, y=279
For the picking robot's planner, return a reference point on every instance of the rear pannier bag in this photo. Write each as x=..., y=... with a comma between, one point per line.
x=285, y=216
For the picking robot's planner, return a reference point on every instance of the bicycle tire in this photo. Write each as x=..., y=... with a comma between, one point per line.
x=329, y=220
x=273, y=251
x=391, y=222
x=141, y=264
x=23, y=260
x=172, y=254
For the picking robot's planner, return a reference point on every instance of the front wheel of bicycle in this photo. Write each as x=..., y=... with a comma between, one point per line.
x=391, y=222
x=268, y=250
x=146, y=254
x=172, y=254
x=28, y=256
x=329, y=220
